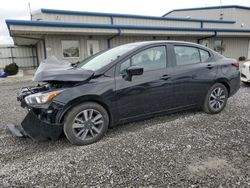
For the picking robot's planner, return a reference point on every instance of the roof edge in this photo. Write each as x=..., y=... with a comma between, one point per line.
x=110, y=26
x=70, y=12
x=207, y=8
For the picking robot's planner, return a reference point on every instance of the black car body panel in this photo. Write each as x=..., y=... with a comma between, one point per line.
x=168, y=89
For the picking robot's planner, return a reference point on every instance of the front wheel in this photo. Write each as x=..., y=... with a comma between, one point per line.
x=86, y=123
x=216, y=99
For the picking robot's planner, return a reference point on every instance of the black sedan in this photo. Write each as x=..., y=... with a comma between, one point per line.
x=123, y=84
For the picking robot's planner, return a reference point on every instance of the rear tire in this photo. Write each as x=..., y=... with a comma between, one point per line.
x=86, y=123
x=216, y=99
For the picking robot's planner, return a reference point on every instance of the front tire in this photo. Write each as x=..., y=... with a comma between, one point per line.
x=216, y=99
x=86, y=123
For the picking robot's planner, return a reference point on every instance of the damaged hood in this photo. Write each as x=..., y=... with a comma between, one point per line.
x=53, y=69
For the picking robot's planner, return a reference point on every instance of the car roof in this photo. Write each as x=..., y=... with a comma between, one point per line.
x=144, y=43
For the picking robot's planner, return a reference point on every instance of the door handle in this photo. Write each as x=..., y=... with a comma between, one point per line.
x=165, y=77
x=210, y=66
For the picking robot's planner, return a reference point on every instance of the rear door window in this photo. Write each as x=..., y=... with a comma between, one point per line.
x=186, y=55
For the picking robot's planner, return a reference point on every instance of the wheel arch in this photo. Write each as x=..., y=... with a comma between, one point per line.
x=82, y=99
x=225, y=82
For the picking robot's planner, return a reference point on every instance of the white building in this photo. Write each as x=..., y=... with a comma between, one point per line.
x=75, y=35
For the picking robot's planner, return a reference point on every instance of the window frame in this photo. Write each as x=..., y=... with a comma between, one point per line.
x=118, y=66
x=190, y=46
x=209, y=58
x=79, y=47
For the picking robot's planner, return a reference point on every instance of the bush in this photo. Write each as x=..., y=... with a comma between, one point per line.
x=11, y=69
x=242, y=58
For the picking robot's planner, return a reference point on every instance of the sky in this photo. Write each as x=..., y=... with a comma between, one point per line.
x=19, y=9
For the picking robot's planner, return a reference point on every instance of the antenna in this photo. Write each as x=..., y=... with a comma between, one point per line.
x=30, y=11
x=221, y=12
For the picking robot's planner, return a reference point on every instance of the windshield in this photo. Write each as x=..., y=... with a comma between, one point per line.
x=103, y=58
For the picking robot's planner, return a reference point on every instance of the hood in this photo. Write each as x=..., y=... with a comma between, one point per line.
x=52, y=69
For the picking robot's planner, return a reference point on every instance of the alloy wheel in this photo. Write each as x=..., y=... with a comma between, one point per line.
x=217, y=98
x=88, y=124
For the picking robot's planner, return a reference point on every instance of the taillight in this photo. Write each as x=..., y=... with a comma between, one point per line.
x=237, y=65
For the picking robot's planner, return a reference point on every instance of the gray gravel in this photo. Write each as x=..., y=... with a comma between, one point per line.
x=190, y=149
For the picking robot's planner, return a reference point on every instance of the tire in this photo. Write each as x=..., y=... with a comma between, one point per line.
x=214, y=103
x=86, y=123
x=246, y=83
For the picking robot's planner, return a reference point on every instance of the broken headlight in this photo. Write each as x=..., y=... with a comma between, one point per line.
x=41, y=98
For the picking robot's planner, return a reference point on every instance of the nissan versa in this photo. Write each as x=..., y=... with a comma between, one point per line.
x=126, y=83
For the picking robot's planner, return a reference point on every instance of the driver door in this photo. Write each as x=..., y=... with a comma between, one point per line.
x=147, y=93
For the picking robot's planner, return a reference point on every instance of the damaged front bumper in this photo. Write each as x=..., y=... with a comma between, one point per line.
x=37, y=129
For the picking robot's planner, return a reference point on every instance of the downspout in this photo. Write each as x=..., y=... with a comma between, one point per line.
x=208, y=37
x=116, y=35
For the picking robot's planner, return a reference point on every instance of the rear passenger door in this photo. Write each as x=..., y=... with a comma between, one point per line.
x=194, y=72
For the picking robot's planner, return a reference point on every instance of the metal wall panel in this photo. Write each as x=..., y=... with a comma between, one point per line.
x=235, y=47
x=23, y=56
x=148, y=22
x=77, y=18
x=214, y=14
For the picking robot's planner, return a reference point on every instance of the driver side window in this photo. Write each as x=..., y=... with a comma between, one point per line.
x=150, y=59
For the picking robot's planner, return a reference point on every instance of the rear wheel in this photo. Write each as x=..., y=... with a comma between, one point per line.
x=216, y=99
x=86, y=123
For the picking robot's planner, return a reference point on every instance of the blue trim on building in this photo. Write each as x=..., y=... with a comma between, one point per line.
x=109, y=26
x=68, y=12
x=208, y=8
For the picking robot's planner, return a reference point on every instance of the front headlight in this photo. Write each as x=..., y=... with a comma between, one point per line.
x=41, y=98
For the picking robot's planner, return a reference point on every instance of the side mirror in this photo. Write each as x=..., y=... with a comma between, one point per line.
x=133, y=71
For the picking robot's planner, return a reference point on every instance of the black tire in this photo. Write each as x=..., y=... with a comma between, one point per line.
x=71, y=121
x=246, y=83
x=210, y=105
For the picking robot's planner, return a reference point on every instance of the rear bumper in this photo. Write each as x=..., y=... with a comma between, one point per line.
x=234, y=85
x=40, y=130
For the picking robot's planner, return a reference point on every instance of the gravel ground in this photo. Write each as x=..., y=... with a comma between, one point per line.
x=190, y=149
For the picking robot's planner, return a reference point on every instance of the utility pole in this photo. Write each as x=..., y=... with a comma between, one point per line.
x=30, y=11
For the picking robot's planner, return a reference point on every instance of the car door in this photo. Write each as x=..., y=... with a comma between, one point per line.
x=146, y=93
x=194, y=72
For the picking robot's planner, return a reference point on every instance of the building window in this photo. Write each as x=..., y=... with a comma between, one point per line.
x=218, y=46
x=70, y=48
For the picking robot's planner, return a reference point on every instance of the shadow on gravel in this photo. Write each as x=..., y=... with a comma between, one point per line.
x=135, y=126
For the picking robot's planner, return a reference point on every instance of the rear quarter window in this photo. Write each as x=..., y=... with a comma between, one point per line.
x=205, y=55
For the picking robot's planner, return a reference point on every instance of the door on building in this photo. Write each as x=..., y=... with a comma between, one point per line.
x=92, y=47
x=205, y=43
